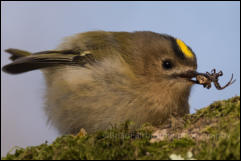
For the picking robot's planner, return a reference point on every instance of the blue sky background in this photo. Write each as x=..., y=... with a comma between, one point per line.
x=212, y=29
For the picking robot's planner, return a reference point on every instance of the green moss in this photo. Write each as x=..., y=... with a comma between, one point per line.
x=211, y=133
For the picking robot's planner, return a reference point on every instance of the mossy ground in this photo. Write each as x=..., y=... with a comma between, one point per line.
x=210, y=133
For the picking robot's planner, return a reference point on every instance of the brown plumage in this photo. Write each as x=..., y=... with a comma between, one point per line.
x=97, y=79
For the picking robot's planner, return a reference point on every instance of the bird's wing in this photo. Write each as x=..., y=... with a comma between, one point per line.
x=24, y=61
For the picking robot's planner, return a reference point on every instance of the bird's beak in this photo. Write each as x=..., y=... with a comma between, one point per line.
x=188, y=75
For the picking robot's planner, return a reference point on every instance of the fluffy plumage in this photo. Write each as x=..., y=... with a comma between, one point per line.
x=97, y=79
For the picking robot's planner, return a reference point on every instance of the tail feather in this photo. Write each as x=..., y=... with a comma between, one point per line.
x=16, y=53
x=24, y=61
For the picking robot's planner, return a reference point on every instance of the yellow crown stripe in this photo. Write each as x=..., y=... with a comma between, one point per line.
x=188, y=53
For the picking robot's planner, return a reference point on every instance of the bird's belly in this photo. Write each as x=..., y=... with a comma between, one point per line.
x=95, y=101
x=89, y=102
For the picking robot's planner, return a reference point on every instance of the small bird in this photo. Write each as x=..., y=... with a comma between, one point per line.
x=97, y=79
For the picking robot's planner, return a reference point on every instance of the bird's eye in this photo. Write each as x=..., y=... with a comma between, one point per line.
x=167, y=64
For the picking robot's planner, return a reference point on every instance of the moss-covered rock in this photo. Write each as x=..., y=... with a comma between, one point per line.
x=211, y=133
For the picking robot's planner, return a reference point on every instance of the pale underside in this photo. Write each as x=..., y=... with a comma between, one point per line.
x=108, y=93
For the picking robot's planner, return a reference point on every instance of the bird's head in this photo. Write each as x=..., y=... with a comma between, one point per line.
x=158, y=57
